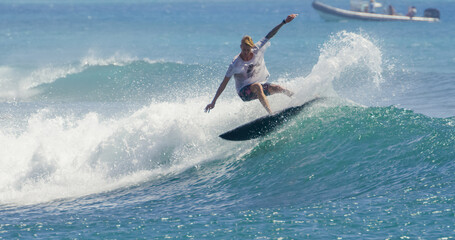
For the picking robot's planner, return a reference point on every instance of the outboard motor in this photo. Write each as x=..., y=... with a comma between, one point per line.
x=431, y=12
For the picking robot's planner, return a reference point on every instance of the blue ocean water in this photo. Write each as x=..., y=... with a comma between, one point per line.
x=103, y=133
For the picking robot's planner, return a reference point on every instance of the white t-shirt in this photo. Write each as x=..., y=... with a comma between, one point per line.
x=249, y=72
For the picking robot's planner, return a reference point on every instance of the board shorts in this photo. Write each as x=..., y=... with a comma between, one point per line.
x=247, y=95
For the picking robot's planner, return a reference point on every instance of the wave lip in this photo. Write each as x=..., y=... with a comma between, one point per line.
x=350, y=65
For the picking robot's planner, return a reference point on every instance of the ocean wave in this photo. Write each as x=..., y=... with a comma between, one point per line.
x=330, y=151
x=321, y=154
x=64, y=155
x=91, y=78
x=342, y=152
x=135, y=81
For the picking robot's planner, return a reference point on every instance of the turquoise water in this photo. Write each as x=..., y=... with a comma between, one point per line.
x=103, y=133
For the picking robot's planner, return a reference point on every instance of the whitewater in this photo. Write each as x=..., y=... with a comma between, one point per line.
x=103, y=133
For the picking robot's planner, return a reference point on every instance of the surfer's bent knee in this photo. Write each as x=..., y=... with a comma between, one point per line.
x=256, y=88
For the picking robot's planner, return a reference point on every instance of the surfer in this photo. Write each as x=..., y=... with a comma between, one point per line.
x=250, y=72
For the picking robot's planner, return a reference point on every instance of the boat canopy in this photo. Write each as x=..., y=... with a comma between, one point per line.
x=362, y=5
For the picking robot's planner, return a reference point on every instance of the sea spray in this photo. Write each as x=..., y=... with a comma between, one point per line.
x=346, y=53
x=62, y=156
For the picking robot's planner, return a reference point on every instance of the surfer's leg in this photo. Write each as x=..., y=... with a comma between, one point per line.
x=256, y=88
x=273, y=88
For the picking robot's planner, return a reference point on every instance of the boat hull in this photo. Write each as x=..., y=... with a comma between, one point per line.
x=330, y=13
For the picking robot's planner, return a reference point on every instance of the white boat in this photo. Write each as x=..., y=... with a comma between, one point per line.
x=330, y=13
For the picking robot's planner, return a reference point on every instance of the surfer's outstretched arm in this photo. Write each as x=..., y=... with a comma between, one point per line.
x=275, y=29
x=218, y=93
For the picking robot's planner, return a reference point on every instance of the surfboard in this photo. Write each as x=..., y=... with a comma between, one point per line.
x=264, y=125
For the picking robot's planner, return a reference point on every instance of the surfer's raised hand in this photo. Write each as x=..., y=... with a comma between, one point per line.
x=291, y=17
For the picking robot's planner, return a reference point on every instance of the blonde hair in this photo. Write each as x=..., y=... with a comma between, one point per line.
x=248, y=41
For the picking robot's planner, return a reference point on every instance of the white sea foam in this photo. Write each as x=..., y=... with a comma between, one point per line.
x=67, y=156
x=345, y=52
